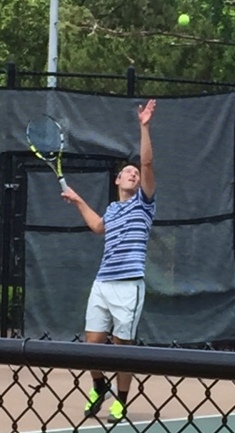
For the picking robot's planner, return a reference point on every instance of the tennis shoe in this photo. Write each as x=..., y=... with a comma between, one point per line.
x=96, y=400
x=117, y=412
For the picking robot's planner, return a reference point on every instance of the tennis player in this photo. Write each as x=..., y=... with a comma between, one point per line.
x=117, y=295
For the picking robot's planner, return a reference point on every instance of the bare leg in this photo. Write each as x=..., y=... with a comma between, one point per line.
x=94, y=405
x=96, y=337
x=123, y=379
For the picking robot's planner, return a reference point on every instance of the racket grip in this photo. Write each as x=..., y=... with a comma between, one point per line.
x=63, y=184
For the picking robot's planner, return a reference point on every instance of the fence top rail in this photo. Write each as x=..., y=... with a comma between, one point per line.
x=131, y=76
x=72, y=75
x=107, y=357
x=186, y=81
x=145, y=78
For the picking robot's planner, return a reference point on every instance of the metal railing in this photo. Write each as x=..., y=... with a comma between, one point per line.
x=130, y=84
x=190, y=381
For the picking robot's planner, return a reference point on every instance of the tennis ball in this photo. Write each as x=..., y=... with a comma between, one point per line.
x=183, y=20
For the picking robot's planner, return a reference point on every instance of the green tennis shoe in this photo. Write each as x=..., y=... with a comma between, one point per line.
x=96, y=400
x=117, y=412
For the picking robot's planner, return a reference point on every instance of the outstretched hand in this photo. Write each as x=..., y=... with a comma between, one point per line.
x=145, y=113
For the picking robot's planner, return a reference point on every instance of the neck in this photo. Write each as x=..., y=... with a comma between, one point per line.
x=125, y=195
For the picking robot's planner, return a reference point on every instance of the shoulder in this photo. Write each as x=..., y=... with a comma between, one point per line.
x=111, y=210
x=112, y=206
x=143, y=197
x=148, y=204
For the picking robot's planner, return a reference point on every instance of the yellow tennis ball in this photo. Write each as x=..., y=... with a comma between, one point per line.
x=183, y=20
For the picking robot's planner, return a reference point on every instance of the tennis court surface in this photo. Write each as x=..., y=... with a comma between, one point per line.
x=208, y=424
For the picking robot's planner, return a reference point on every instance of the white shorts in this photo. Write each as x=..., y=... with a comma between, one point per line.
x=115, y=306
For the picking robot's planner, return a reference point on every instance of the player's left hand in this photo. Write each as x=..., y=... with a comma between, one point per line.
x=145, y=113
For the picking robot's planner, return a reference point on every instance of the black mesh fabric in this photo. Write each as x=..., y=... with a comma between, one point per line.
x=190, y=277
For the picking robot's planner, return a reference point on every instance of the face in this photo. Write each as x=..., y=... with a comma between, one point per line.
x=129, y=179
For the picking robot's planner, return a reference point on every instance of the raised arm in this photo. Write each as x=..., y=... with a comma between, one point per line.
x=93, y=220
x=146, y=152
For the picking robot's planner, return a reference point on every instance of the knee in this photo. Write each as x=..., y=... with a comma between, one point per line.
x=117, y=340
x=95, y=337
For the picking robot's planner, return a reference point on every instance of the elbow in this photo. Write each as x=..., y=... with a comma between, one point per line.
x=98, y=228
x=147, y=163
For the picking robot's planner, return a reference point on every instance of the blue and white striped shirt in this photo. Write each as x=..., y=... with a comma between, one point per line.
x=127, y=226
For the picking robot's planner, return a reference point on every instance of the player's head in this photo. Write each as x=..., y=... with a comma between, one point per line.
x=128, y=178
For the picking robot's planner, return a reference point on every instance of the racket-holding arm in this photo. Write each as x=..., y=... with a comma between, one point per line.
x=93, y=220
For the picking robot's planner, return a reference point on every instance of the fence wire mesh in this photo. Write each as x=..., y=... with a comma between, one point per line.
x=48, y=399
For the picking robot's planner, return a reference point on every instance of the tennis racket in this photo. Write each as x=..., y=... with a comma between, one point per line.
x=46, y=141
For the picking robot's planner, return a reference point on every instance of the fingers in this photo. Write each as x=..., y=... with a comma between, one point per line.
x=151, y=104
x=68, y=195
x=66, y=199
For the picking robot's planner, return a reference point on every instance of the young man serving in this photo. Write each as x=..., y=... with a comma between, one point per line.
x=117, y=295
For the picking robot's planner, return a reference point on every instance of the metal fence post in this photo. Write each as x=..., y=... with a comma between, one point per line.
x=11, y=75
x=131, y=81
x=6, y=223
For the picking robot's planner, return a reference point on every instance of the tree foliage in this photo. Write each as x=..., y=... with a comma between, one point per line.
x=106, y=36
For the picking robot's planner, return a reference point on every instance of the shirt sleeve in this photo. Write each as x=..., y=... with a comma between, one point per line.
x=144, y=197
x=149, y=204
x=108, y=212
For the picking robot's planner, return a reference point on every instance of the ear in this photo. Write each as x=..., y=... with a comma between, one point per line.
x=117, y=180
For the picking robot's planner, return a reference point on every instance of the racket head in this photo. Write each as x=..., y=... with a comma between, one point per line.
x=45, y=137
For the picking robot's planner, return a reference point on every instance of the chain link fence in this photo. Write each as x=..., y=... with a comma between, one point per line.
x=43, y=398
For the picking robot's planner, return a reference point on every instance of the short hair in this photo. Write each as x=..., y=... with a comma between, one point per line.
x=126, y=164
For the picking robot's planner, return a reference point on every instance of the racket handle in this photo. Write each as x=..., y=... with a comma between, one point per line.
x=63, y=184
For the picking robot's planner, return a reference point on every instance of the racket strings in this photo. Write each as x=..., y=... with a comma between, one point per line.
x=45, y=135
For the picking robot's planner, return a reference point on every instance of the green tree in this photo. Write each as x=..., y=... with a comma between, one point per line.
x=24, y=33
x=106, y=36
x=109, y=35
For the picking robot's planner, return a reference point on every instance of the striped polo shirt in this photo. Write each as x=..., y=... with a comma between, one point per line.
x=127, y=226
